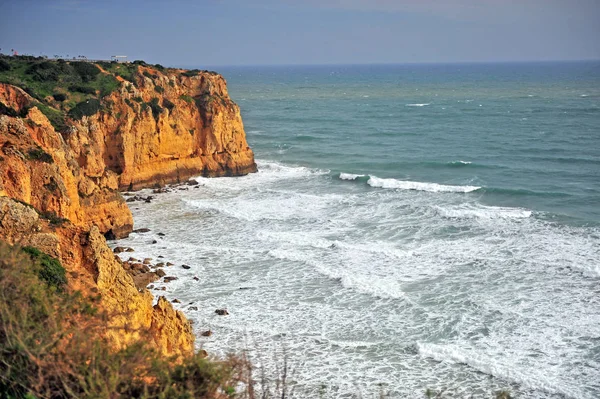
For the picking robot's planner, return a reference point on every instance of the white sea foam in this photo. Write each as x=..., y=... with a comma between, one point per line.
x=483, y=212
x=418, y=105
x=419, y=186
x=503, y=368
x=461, y=162
x=349, y=176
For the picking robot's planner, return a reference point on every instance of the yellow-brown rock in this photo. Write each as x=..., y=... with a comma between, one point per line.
x=38, y=168
x=93, y=269
x=59, y=191
x=191, y=128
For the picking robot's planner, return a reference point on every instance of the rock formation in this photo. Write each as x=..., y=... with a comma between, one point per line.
x=59, y=190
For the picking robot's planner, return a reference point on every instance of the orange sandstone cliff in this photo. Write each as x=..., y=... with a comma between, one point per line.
x=163, y=128
x=59, y=191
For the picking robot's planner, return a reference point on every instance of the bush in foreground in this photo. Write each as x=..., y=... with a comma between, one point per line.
x=52, y=345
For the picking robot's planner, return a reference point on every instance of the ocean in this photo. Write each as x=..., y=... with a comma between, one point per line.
x=411, y=227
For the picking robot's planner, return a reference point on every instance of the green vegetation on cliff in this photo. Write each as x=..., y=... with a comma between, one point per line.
x=51, y=345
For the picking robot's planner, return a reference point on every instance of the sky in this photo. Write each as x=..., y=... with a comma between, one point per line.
x=203, y=33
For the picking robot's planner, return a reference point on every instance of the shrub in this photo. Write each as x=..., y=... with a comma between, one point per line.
x=4, y=66
x=37, y=154
x=156, y=109
x=86, y=70
x=6, y=110
x=53, y=218
x=187, y=99
x=159, y=89
x=168, y=104
x=149, y=75
x=190, y=73
x=108, y=84
x=52, y=345
x=139, y=62
x=59, y=97
x=47, y=71
x=82, y=89
x=85, y=108
x=138, y=99
x=51, y=271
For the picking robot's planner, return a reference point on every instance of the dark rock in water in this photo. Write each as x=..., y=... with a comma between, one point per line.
x=160, y=256
x=154, y=242
x=147, y=261
x=161, y=234
x=202, y=353
x=143, y=230
x=132, y=199
x=193, y=308
x=196, y=278
x=222, y=312
x=129, y=250
x=192, y=183
x=186, y=267
x=170, y=264
x=161, y=273
x=206, y=333
x=161, y=264
x=176, y=301
x=163, y=288
x=131, y=259
x=168, y=279
x=151, y=286
x=118, y=250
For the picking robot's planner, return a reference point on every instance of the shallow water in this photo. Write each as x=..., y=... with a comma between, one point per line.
x=410, y=227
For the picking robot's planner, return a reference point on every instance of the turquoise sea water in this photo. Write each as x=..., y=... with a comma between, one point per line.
x=410, y=227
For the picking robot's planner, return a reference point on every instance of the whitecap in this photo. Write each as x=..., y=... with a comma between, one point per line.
x=460, y=163
x=483, y=212
x=418, y=105
x=419, y=186
x=349, y=176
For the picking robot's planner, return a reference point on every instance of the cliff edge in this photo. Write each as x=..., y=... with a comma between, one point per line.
x=72, y=134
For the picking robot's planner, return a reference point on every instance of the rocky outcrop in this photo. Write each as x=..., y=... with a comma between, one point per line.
x=93, y=270
x=163, y=128
x=59, y=191
x=38, y=168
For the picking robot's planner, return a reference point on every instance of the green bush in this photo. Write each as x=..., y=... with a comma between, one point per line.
x=4, y=66
x=168, y=104
x=50, y=271
x=59, y=97
x=159, y=89
x=85, y=108
x=52, y=218
x=86, y=70
x=187, y=99
x=191, y=73
x=6, y=110
x=52, y=345
x=37, y=154
x=156, y=109
x=82, y=89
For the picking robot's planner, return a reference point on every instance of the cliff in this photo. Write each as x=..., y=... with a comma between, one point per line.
x=73, y=134
x=164, y=128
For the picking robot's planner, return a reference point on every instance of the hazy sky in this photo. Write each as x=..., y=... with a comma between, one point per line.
x=245, y=32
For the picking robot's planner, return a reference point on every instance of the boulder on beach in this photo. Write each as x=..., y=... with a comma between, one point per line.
x=222, y=312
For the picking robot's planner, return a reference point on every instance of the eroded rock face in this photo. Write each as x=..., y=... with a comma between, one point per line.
x=162, y=130
x=93, y=269
x=38, y=168
x=59, y=191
